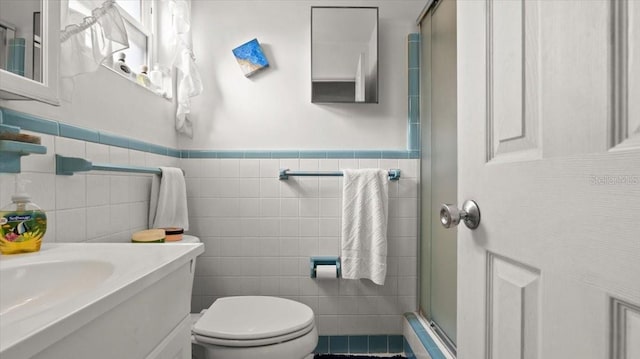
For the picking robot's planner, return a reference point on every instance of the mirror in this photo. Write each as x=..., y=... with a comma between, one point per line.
x=29, y=46
x=344, y=54
x=21, y=38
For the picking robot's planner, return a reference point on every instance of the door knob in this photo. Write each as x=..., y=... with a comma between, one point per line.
x=450, y=215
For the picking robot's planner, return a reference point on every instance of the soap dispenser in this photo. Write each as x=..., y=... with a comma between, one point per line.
x=22, y=223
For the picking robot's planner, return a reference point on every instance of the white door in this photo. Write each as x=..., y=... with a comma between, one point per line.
x=549, y=148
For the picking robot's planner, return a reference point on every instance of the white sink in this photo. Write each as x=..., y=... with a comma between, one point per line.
x=36, y=286
x=94, y=299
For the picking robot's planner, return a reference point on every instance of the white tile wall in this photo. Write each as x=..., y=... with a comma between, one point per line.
x=259, y=233
x=96, y=206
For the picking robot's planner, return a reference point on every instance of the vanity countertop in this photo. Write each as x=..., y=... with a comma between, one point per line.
x=46, y=295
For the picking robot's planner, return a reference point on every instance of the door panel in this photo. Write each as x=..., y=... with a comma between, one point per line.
x=626, y=93
x=553, y=269
x=631, y=20
x=626, y=330
x=512, y=102
x=513, y=309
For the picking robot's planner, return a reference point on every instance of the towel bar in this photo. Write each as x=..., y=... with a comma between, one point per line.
x=394, y=174
x=67, y=166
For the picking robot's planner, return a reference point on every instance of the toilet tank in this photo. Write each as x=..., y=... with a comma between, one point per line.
x=189, y=239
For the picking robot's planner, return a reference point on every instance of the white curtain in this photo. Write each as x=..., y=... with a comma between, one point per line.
x=188, y=79
x=92, y=30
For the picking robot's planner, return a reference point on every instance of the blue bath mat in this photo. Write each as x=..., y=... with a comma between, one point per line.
x=338, y=356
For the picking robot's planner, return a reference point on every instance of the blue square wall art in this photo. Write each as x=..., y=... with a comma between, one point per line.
x=250, y=57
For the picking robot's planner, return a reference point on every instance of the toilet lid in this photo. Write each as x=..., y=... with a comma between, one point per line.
x=251, y=318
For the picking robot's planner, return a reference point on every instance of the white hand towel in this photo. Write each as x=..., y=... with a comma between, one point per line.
x=168, y=200
x=365, y=203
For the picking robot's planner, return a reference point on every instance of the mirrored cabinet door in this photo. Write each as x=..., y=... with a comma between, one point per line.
x=344, y=54
x=29, y=43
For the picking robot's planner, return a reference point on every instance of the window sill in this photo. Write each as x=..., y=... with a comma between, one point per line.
x=162, y=95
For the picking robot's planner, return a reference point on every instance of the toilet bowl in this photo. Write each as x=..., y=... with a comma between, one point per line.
x=253, y=327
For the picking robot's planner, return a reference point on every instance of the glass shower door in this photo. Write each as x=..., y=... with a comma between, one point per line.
x=438, y=257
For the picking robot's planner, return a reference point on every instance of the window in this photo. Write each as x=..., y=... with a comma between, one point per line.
x=139, y=23
x=138, y=20
x=132, y=7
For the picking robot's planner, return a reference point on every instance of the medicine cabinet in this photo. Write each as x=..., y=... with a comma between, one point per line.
x=29, y=46
x=344, y=54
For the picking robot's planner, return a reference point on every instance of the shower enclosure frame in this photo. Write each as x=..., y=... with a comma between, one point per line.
x=426, y=210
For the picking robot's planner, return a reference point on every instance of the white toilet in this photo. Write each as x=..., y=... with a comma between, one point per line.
x=253, y=327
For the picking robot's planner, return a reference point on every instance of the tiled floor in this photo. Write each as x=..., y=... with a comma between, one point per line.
x=361, y=344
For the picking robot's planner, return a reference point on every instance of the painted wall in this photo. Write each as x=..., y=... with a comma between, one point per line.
x=106, y=101
x=273, y=109
x=259, y=233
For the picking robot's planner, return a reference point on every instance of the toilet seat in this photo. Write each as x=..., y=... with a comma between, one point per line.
x=253, y=321
x=253, y=342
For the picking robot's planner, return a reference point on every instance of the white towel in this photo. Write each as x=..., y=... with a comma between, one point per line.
x=168, y=200
x=365, y=203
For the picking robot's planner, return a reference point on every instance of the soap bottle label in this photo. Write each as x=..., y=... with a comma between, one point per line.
x=21, y=231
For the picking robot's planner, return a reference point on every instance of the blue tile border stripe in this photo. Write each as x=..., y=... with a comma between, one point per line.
x=358, y=344
x=408, y=352
x=338, y=344
x=305, y=154
x=361, y=344
x=49, y=127
x=285, y=154
x=413, y=102
x=378, y=344
x=30, y=123
x=111, y=140
x=78, y=133
x=414, y=109
x=425, y=338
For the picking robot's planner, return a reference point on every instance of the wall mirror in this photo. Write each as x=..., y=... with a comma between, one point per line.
x=29, y=41
x=344, y=54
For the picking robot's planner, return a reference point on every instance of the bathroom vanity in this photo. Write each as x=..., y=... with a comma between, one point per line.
x=90, y=300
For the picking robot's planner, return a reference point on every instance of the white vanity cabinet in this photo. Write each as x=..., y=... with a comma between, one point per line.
x=29, y=49
x=99, y=301
x=152, y=324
